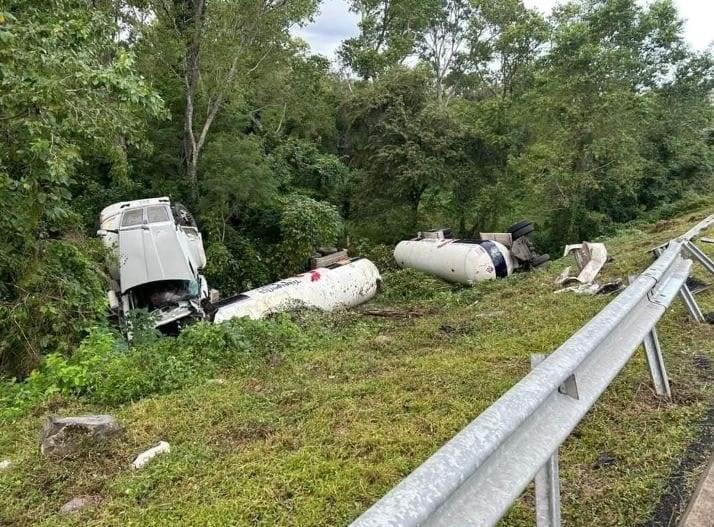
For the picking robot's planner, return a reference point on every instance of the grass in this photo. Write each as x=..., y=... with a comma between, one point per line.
x=312, y=437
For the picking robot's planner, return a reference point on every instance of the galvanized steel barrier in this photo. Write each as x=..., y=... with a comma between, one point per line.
x=474, y=478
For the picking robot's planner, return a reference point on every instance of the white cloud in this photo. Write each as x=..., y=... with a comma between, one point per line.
x=697, y=14
x=336, y=23
x=331, y=26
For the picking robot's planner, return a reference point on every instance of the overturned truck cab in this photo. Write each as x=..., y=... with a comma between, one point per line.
x=465, y=261
x=156, y=260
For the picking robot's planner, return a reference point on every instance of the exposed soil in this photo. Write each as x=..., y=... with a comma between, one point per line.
x=676, y=496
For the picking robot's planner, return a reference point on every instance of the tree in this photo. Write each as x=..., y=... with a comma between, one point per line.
x=389, y=30
x=443, y=38
x=403, y=143
x=220, y=48
x=69, y=94
x=591, y=111
x=502, y=42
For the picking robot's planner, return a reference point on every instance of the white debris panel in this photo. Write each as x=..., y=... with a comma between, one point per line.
x=342, y=285
x=590, y=258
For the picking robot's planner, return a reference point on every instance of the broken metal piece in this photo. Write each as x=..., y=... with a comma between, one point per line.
x=595, y=288
x=590, y=257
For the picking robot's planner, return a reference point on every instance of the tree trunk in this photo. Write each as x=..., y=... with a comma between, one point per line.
x=193, y=21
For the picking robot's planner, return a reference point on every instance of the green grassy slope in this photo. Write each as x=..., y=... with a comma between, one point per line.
x=313, y=437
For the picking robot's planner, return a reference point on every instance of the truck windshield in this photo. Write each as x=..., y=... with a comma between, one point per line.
x=157, y=214
x=132, y=217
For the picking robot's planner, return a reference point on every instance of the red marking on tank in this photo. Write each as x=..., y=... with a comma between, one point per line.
x=314, y=276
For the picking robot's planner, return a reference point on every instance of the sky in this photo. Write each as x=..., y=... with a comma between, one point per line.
x=335, y=23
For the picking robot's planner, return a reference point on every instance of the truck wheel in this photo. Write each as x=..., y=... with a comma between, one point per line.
x=521, y=229
x=540, y=260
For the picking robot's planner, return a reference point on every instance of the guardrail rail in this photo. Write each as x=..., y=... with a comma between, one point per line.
x=475, y=477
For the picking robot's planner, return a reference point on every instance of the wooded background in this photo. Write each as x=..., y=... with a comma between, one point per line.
x=470, y=114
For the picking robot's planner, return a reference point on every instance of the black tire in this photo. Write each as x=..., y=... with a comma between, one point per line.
x=519, y=225
x=540, y=260
x=521, y=229
x=524, y=231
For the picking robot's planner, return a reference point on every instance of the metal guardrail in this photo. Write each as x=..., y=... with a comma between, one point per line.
x=475, y=477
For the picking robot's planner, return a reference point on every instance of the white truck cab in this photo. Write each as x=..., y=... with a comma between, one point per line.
x=157, y=259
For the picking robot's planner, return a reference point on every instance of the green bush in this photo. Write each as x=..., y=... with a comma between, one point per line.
x=60, y=295
x=380, y=254
x=305, y=225
x=105, y=370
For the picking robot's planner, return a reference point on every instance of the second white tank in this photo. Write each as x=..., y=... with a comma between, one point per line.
x=460, y=261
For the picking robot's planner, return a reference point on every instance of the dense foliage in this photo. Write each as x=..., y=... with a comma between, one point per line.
x=466, y=113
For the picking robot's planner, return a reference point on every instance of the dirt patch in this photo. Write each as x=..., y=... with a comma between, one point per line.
x=676, y=496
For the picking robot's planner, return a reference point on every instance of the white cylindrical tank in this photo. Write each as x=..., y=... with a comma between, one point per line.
x=341, y=285
x=461, y=261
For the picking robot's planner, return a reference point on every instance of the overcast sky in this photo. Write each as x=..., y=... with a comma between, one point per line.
x=335, y=23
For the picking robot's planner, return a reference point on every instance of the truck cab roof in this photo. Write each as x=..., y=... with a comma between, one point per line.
x=109, y=217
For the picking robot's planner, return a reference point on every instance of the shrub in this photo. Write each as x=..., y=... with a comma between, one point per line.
x=60, y=296
x=105, y=370
x=305, y=225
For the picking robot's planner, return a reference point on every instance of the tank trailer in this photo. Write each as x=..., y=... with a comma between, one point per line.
x=464, y=261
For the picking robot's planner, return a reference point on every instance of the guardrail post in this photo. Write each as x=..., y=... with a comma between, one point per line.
x=686, y=293
x=547, y=482
x=697, y=253
x=655, y=361
x=691, y=303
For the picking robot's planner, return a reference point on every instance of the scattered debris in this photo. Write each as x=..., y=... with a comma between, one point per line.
x=80, y=502
x=590, y=258
x=489, y=314
x=382, y=340
x=611, y=287
x=457, y=329
x=595, y=288
x=142, y=459
x=391, y=312
x=706, y=240
x=64, y=435
x=326, y=256
x=605, y=459
x=446, y=328
x=5, y=464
